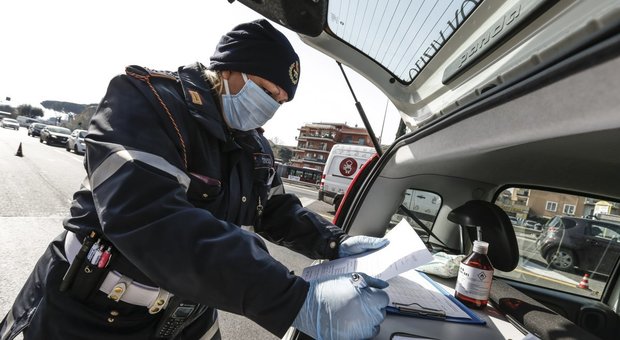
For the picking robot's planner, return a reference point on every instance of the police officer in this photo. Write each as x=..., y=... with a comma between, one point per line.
x=162, y=233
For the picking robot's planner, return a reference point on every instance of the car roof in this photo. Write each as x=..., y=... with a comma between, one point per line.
x=591, y=220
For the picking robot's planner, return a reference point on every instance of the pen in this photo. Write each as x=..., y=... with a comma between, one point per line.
x=93, y=249
x=105, y=258
x=97, y=256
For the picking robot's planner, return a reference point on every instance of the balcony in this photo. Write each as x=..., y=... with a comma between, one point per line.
x=314, y=160
x=325, y=136
x=315, y=148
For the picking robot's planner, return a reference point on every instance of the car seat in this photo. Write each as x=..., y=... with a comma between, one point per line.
x=495, y=228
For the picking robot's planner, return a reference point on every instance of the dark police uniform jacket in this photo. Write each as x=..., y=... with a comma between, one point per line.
x=169, y=185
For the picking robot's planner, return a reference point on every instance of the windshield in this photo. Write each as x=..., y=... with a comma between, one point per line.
x=58, y=129
x=402, y=36
x=82, y=134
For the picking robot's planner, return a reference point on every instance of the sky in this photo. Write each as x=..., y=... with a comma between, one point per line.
x=68, y=50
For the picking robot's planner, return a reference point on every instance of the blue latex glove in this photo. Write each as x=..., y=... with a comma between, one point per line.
x=346, y=306
x=358, y=244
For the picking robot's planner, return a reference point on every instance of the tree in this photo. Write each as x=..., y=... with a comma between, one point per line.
x=36, y=112
x=275, y=141
x=29, y=111
x=285, y=154
x=7, y=108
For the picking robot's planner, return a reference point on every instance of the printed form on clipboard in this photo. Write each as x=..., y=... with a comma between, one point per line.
x=411, y=293
x=415, y=294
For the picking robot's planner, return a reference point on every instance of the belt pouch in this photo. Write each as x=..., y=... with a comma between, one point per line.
x=87, y=280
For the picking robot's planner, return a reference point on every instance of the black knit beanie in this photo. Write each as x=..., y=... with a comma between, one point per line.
x=259, y=49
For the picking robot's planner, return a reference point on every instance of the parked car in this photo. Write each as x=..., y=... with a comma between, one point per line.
x=54, y=135
x=34, y=129
x=514, y=221
x=9, y=123
x=492, y=93
x=587, y=244
x=532, y=225
x=75, y=141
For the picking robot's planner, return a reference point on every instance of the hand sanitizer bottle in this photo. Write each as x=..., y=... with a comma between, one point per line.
x=473, y=283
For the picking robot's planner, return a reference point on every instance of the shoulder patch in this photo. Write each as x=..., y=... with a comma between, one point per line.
x=144, y=71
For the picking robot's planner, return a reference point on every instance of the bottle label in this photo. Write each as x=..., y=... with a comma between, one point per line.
x=473, y=282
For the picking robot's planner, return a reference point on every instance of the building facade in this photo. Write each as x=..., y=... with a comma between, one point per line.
x=316, y=140
x=542, y=205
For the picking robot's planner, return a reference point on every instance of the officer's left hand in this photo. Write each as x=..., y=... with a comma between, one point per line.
x=359, y=244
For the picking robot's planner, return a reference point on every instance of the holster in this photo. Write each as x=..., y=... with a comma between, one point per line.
x=87, y=281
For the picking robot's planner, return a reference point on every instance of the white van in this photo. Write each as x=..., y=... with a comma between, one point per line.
x=343, y=163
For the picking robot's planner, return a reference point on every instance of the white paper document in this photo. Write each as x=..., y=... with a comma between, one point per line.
x=404, y=252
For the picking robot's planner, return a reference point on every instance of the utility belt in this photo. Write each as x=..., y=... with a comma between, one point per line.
x=93, y=270
x=89, y=271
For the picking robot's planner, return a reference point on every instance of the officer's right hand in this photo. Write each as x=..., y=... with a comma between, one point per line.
x=348, y=306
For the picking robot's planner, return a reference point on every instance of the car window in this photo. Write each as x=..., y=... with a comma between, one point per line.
x=569, y=243
x=58, y=129
x=421, y=204
x=605, y=231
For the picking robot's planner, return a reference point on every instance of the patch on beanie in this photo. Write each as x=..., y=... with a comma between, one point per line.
x=293, y=72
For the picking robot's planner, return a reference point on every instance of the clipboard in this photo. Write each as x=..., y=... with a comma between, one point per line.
x=416, y=310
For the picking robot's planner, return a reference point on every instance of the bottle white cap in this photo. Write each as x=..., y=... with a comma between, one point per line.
x=481, y=247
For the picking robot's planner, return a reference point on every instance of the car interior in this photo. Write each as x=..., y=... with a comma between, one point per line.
x=511, y=112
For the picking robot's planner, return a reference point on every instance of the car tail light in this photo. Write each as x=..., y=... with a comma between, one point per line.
x=322, y=185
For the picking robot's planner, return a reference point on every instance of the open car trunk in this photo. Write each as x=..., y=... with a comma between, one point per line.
x=509, y=102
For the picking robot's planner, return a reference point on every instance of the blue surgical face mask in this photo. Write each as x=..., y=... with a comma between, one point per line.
x=249, y=109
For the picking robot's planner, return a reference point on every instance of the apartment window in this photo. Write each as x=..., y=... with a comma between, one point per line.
x=551, y=206
x=569, y=209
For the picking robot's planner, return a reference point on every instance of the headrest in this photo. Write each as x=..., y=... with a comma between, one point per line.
x=496, y=230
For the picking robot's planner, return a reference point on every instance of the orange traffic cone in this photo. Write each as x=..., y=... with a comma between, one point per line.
x=584, y=284
x=19, y=151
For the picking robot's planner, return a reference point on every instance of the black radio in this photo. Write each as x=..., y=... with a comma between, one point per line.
x=175, y=317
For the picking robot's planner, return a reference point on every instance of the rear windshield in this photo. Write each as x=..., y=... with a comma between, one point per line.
x=59, y=129
x=402, y=36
